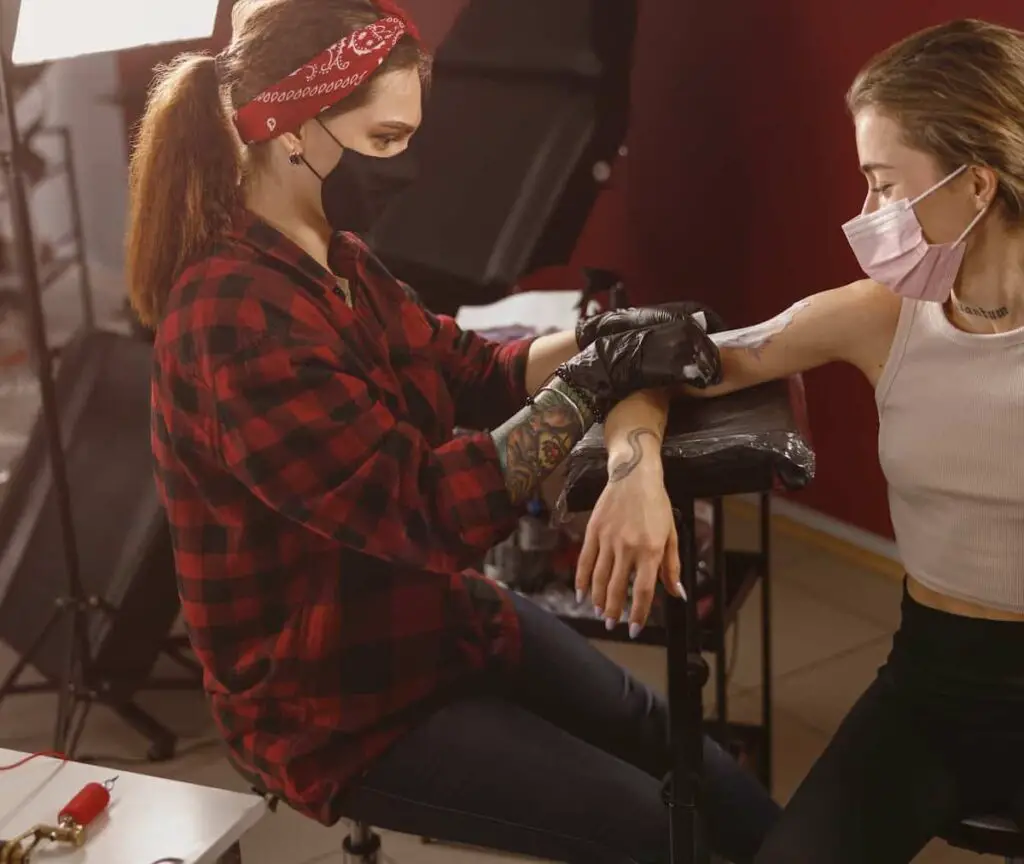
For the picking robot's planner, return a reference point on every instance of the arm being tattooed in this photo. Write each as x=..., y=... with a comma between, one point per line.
x=754, y=339
x=853, y=324
x=533, y=443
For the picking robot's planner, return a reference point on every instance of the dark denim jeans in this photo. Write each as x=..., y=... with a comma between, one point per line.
x=563, y=761
x=939, y=736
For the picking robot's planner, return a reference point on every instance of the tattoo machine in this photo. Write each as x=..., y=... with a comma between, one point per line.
x=601, y=283
x=72, y=821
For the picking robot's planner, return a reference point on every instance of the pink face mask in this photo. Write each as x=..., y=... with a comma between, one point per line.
x=891, y=249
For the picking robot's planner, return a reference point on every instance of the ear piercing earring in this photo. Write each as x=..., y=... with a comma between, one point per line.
x=295, y=158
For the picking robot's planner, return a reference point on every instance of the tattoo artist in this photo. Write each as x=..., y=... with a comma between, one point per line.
x=322, y=513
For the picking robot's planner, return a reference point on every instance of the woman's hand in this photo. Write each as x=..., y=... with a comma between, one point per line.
x=631, y=533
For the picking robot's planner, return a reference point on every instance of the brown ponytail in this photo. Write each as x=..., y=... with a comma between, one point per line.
x=184, y=180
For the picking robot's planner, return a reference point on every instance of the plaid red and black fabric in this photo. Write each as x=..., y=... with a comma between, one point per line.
x=321, y=511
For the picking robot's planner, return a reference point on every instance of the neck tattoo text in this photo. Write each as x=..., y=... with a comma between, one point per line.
x=979, y=312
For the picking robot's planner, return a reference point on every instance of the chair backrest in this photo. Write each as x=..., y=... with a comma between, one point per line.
x=528, y=98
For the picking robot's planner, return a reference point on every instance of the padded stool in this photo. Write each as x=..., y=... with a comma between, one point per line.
x=989, y=835
x=361, y=846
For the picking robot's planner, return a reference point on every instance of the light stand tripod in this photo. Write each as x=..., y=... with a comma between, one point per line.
x=77, y=615
x=72, y=607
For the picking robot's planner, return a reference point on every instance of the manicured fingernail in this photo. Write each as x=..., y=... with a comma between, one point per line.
x=580, y=594
x=634, y=630
x=609, y=624
x=598, y=611
x=681, y=591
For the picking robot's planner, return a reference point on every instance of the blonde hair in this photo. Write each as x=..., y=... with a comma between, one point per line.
x=957, y=92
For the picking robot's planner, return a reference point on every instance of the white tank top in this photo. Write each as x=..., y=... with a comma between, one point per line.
x=951, y=444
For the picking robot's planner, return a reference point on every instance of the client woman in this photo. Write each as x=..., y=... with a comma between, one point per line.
x=323, y=514
x=938, y=330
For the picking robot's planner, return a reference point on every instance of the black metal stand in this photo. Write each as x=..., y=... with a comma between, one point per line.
x=362, y=846
x=688, y=672
x=12, y=289
x=77, y=696
x=78, y=688
x=72, y=606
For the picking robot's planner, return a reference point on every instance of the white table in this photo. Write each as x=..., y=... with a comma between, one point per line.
x=148, y=819
x=540, y=310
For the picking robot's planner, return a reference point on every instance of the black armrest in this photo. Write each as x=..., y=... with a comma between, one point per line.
x=750, y=441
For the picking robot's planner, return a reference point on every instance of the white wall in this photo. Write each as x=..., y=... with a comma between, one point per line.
x=81, y=95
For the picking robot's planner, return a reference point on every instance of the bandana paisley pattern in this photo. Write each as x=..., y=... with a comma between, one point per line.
x=323, y=81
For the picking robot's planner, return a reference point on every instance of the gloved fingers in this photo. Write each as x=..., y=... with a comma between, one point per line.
x=679, y=352
x=590, y=330
x=666, y=355
x=714, y=323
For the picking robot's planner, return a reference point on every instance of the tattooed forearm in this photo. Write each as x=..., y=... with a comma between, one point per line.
x=538, y=439
x=624, y=469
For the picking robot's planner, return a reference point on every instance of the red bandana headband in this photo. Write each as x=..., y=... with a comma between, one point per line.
x=323, y=81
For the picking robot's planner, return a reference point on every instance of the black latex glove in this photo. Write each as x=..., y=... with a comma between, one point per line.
x=614, y=366
x=691, y=307
x=589, y=330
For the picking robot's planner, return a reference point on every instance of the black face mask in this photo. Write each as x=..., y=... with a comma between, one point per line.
x=359, y=188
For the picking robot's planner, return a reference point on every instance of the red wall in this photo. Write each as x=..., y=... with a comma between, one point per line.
x=741, y=171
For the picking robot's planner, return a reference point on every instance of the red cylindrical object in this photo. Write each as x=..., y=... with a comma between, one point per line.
x=86, y=805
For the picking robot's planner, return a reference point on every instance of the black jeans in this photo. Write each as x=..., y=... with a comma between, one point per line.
x=939, y=736
x=564, y=761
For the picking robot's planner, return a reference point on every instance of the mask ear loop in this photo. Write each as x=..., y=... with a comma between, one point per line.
x=968, y=230
x=974, y=222
x=298, y=158
x=330, y=134
x=939, y=185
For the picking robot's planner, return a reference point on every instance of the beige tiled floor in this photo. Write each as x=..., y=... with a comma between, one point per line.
x=832, y=622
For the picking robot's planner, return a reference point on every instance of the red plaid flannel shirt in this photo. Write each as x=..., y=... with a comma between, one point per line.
x=322, y=512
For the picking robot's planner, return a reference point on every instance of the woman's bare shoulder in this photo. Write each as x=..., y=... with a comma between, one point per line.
x=872, y=312
x=875, y=296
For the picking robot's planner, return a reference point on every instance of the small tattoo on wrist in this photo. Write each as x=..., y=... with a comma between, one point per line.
x=623, y=470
